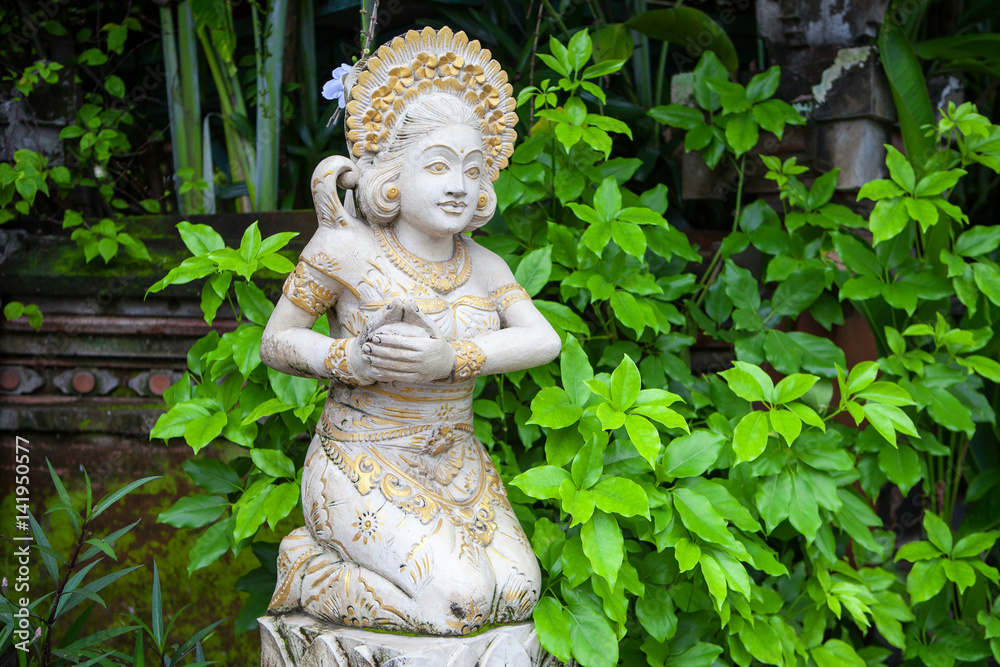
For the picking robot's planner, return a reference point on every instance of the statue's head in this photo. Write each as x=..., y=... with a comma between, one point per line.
x=430, y=121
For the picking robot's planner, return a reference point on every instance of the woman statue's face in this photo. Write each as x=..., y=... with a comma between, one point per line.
x=440, y=181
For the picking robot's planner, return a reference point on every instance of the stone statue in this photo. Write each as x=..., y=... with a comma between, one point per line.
x=408, y=527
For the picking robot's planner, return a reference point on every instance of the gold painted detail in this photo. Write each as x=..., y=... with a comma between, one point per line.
x=469, y=360
x=424, y=62
x=505, y=295
x=329, y=267
x=336, y=362
x=306, y=292
x=441, y=276
x=458, y=484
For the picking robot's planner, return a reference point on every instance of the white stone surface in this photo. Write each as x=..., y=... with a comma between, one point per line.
x=297, y=640
x=408, y=527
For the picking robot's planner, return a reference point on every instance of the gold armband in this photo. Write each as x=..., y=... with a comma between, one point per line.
x=306, y=292
x=469, y=360
x=505, y=295
x=336, y=363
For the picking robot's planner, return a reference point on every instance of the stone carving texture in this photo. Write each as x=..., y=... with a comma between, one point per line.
x=408, y=526
x=297, y=640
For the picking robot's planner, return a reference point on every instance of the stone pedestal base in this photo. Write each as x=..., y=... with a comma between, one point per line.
x=297, y=640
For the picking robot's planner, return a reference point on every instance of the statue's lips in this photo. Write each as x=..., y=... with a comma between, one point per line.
x=452, y=206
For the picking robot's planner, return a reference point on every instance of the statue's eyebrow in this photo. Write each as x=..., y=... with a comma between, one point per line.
x=436, y=150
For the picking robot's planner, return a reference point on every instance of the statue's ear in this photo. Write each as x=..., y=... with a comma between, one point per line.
x=334, y=171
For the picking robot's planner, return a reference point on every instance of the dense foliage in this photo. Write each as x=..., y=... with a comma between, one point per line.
x=726, y=517
x=39, y=632
x=689, y=520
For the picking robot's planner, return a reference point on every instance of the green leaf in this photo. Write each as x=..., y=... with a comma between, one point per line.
x=701, y=518
x=213, y=475
x=749, y=382
x=629, y=237
x=250, y=243
x=579, y=50
x=917, y=551
x=901, y=465
x=909, y=88
x=194, y=511
x=676, y=25
x=714, y=577
x=926, y=579
x=861, y=376
x=534, y=270
x=793, y=387
x=625, y=383
x=887, y=419
x=282, y=499
x=836, y=653
x=938, y=532
x=200, y=239
x=212, y=544
x=202, y=430
x=594, y=642
x=878, y=189
x=608, y=200
x=972, y=545
x=900, y=169
x=552, y=408
x=785, y=423
x=655, y=611
x=553, y=626
x=774, y=495
x=253, y=303
x=575, y=370
x=742, y=133
x=763, y=86
x=803, y=510
x=687, y=554
x=273, y=462
x=692, y=455
x=644, y=437
x=603, y=544
x=750, y=438
x=978, y=241
x=988, y=279
x=885, y=392
x=676, y=115
x=115, y=86
x=856, y=256
x=621, y=496
x=959, y=572
x=888, y=219
x=938, y=182
x=542, y=481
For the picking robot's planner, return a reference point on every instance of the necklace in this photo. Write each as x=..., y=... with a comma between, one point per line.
x=441, y=276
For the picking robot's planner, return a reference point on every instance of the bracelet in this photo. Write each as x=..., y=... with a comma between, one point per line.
x=305, y=292
x=469, y=360
x=505, y=295
x=336, y=363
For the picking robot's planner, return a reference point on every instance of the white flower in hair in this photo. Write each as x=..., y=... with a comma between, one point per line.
x=334, y=88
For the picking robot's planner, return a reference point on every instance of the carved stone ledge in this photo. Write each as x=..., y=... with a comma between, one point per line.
x=297, y=640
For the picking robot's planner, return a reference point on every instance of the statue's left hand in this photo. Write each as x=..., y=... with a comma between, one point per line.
x=405, y=353
x=410, y=349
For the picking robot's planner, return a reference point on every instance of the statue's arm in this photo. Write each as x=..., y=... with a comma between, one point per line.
x=526, y=340
x=290, y=345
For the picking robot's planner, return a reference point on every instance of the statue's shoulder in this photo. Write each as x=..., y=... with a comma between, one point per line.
x=348, y=246
x=489, y=264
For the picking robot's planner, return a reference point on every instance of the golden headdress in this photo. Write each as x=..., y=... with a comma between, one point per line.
x=431, y=61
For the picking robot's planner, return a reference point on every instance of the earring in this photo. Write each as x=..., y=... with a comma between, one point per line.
x=392, y=192
x=483, y=200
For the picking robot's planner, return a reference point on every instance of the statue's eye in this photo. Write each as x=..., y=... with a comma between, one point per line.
x=437, y=167
x=473, y=172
